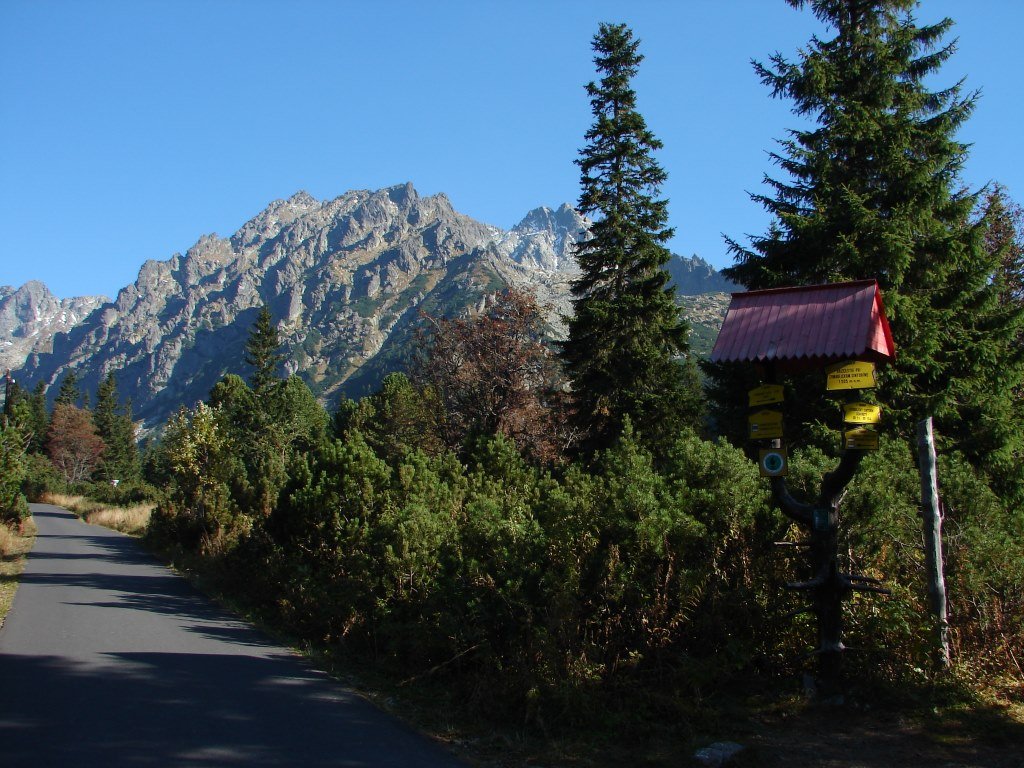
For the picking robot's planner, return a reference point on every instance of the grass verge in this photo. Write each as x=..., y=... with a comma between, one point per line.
x=14, y=548
x=131, y=520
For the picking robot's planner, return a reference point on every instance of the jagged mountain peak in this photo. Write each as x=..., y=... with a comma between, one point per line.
x=544, y=239
x=31, y=315
x=564, y=217
x=26, y=302
x=279, y=213
x=302, y=199
x=402, y=194
x=31, y=301
x=404, y=200
x=207, y=247
x=693, y=276
x=31, y=291
x=345, y=280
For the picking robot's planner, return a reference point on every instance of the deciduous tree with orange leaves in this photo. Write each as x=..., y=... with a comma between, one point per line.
x=74, y=446
x=494, y=374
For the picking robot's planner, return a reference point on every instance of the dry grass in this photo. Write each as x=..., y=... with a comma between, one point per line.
x=14, y=547
x=80, y=505
x=131, y=520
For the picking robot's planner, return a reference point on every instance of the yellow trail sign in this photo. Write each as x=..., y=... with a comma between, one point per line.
x=766, y=394
x=861, y=439
x=853, y=374
x=862, y=413
x=765, y=425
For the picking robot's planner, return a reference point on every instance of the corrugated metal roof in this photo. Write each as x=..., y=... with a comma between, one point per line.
x=817, y=323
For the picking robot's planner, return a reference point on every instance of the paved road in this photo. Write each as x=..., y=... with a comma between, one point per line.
x=109, y=659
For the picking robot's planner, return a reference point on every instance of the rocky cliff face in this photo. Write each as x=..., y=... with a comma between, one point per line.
x=345, y=278
x=31, y=316
x=694, y=276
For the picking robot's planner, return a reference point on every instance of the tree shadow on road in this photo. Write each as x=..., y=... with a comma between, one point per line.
x=159, y=709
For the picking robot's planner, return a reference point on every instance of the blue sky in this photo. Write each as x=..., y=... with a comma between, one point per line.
x=128, y=129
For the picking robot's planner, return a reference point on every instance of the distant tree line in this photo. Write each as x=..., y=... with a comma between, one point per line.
x=69, y=446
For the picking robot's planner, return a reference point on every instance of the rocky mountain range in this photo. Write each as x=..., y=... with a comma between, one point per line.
x=31, y=316
x=346, y=280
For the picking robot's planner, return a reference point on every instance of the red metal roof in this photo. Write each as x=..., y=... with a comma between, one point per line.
x=807, y=324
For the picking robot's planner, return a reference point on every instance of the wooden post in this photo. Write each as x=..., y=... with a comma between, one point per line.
x=931, y=514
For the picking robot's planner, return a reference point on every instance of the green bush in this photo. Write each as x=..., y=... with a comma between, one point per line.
x=984, y=549
x=123, y=494
x=13, y=470
x=41, y=478
x=629, y=579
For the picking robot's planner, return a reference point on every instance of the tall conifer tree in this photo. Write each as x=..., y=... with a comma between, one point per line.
x=39, y=418
x=261, y=352
x=873, y=191
x=120, y=460
x=627, y=338
x=12, y=394
x=1005, y=239
x=70, y=393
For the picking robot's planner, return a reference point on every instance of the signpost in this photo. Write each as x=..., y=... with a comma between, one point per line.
x=860, y=439
x=861, y=413
x=766, y=394
x=852, y=374
x=765, y=425
x=841, y=327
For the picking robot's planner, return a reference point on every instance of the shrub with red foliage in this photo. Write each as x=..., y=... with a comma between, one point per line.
x=495, y=374
x=74, y=446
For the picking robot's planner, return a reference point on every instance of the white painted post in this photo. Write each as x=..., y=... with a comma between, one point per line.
x=931, y=514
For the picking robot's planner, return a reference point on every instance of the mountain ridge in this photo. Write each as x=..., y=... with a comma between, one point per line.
x=30, y=317
x=345, y=280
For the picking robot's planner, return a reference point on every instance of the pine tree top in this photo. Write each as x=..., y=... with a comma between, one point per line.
x=878, y=172
x=261, y=351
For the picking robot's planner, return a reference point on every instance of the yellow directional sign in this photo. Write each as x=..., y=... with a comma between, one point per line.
x=766, y=394
x=861, y=439
x=773, y=462
x=853, y=374
x=765, y=425
x=862, y=413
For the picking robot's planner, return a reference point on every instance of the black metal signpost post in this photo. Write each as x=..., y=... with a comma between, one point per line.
x=828, y=587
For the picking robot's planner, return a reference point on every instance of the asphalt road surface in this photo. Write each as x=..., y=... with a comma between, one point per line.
x=109, y=659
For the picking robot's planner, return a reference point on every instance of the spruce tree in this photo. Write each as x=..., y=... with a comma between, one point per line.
x=13, y=470
x=38, y=418
x=120, y=460
x=261, y=352
x=106, y=404
x=1004, y=238
x=627, y=342
x=12, y=394
x=872, y=190
x=70, y=393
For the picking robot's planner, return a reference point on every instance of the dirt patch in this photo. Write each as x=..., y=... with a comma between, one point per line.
x=858, y=736
x=885, y=729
